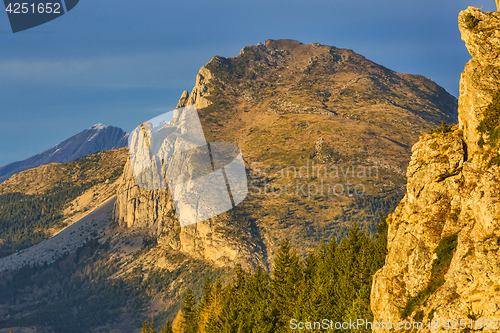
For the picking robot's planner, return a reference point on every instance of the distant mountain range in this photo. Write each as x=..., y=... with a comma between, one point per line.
x=96, y=138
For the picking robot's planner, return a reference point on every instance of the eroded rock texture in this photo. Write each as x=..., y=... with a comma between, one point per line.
x=444, y=237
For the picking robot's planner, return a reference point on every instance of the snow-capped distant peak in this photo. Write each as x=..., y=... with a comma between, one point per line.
x=98, y=127
x=96, y=138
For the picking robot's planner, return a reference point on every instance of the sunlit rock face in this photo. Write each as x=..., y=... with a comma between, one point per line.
x=444, y=237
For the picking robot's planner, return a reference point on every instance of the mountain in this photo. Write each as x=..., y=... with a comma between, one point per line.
x=443, y=239
x=96, y=138
x=291, y=106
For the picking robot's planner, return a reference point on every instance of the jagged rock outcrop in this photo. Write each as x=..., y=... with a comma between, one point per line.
x=153, y=212
x=199, y=94
x=444, y=237
x=181, y=171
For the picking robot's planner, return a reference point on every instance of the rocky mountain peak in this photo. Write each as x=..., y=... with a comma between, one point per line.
x=289, y=105
x=340, y=78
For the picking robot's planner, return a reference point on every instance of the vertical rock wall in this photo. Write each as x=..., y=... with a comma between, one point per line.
x=444, y=237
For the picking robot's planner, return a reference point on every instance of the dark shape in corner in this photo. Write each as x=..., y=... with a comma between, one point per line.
x=35, y=12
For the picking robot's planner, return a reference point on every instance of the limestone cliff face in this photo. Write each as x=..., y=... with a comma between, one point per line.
x=444, y=236
x=153, y=213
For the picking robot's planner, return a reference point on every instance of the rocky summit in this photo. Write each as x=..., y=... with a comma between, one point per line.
x=444, y=236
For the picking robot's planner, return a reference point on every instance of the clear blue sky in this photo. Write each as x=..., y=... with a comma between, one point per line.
x=124, y=62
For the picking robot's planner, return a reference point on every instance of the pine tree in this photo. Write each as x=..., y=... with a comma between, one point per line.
x=152, y=328
x=167, y=328
x=179, y=323
x=261, y=315
x=145, y=328
x=205, y=307
x=231, y=310
x=189, y=312
x=207, y=293
x=214, y=317
x=311, y=291
x=286, y=282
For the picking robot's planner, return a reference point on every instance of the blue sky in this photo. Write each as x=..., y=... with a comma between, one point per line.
x=124, y=62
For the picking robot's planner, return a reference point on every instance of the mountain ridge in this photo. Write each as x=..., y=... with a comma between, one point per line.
x=93, y=139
